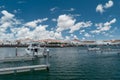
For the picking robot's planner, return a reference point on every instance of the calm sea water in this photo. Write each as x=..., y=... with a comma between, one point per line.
x=73, y=63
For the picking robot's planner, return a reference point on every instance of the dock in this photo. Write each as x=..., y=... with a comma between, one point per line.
x=20, y=58
x=21, y=69
x=16, y=70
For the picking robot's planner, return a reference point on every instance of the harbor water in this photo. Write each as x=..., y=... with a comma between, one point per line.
x=72, y=63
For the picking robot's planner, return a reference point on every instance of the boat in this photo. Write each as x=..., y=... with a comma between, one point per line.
x=93, y=49
x=34, y=49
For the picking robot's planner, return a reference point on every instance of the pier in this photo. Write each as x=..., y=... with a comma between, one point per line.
x=20, y=58
x=16, y=70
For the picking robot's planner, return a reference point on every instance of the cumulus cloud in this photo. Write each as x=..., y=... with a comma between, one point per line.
x=35, y=22
x=109, y=4
x=7, y=21
x=101, y=27
x=12, y=28
x=64, y=22
x=4, y=36
x=39, y=32
x=23, y=33
x=79, y=25
x=67, y=22
x=6, y=15
x=101, y=8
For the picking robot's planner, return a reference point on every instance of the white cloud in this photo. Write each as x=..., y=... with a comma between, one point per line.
x=4, y=26
x=23, y=33
x=67, y=22
x=4, y=36
x=101, y=27
x=7, y=21
x=109, y=4
x=35, y=22
x=112, y=21
x=6, y=16
x=12, y=28
x=79, y=25
x=64, y=22
x=101, y=8
x=58, y=35
x=38, y=33
x=87, y=35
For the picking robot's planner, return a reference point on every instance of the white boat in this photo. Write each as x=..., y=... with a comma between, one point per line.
x=34, y=49
x=93, y=49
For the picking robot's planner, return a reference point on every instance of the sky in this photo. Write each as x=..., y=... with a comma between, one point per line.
x=60, y=19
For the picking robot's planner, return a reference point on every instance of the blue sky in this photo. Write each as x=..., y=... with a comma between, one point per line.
x=60, y=19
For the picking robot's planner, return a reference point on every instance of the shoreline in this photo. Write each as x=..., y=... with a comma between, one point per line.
x=57, y=45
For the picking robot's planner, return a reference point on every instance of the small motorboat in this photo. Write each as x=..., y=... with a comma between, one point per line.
x=34, y=49
x=94, y=49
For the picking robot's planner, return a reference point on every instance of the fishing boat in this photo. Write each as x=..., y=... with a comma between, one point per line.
x=34, y=49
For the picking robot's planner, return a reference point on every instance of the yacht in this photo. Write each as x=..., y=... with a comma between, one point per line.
x=34, y=49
